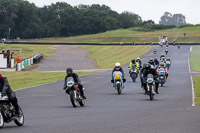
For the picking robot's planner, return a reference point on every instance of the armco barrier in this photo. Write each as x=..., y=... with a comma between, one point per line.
x=35, y=59
x=104, y=44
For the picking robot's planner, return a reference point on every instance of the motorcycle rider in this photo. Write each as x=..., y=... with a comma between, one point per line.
x=118, y=68
x=139, y=62
x=141, y=74
x=156, y=62
x=155, y=51
x=166, y=51
x=133, y=63
x=151, y=62
x=148, y=70
x=77, y=81
x=162, y=65
x=162, y=56
x=5, y=89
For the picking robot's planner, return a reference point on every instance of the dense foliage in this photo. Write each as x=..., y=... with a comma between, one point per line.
x=25, y=20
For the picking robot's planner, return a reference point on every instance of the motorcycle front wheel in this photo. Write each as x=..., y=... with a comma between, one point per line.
x=119, y=89
x=73, y=100
x=151, y=95
x=1, y=120
x=20, y=120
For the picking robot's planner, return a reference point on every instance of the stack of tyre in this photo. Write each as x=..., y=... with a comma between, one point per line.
x=37, y=58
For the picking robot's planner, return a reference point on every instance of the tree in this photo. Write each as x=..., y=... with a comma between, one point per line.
x=169, y=19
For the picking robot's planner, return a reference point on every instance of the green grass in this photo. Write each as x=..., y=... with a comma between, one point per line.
x=131, y=35
x=194, y=59
x=196, y=79
x=28, y=51
x=23, y=79
x=107, y=56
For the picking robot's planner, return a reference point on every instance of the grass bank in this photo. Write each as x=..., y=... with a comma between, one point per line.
x=26, y=51
x=131, y=35
x=196, y=79
x=195, y=59
x=107, y=56
x=23, y=79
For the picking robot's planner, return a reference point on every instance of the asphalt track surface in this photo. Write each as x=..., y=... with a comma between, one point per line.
x=47, y=108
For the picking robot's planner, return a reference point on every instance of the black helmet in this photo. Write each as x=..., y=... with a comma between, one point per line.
x=133, y=61
x=155, y=59
x=69, y=70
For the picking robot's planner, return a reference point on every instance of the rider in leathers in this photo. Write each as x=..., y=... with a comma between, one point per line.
x=149, y=70
x=5, y=89
x=77, y=81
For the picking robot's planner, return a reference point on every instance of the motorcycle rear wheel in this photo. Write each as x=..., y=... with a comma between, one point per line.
x=20, y=121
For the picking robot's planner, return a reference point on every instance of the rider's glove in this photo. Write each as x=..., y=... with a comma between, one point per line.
x=112, y=81
x=64, y=88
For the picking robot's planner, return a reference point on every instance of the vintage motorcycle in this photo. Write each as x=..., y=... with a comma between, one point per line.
x=8, y=113
x=74, y=92
x=118, y=81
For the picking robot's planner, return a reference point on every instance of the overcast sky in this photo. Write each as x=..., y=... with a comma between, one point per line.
x=147, y=9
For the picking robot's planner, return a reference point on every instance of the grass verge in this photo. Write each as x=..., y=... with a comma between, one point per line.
x=107, y=56
x=194, y=59
x=196, y=79
x=27, y=51
x=23, y=79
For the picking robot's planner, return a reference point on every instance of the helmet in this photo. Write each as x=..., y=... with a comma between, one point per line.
x=117, y=66
x=163, y=55
x=138, y=58
x=144, y=65
x=69, y=71
x=133, y=61
x=155, y=59
x=151, y=59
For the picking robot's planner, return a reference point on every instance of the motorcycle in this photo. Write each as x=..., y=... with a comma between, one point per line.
x=150, y=86
x=162, y=77
x=74, y=92
x=133, y=73
x=118, y=82
x=168, y=64
x=8, y=113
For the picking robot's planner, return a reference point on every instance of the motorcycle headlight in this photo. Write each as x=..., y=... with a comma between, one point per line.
x=70, y=84
x=149, y=80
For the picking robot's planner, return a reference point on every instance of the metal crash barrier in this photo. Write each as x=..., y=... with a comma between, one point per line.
x=30, y=61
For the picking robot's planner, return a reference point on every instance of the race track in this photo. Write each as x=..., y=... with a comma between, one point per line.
x=48, y=109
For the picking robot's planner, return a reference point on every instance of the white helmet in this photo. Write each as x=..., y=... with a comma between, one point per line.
x=138, y=58
x=117, y=66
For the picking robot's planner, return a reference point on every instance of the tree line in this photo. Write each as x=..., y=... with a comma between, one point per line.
x=20, y=18
x=26, y=20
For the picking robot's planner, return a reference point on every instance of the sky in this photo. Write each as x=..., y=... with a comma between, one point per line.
x=147, y=9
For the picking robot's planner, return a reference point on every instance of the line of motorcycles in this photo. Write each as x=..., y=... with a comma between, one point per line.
x=151, y=85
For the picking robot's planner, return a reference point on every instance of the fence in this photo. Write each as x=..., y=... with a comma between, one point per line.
x=30, y=61
x=104, y=44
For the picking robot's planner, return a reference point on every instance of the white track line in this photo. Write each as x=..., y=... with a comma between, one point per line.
x=193, y=95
